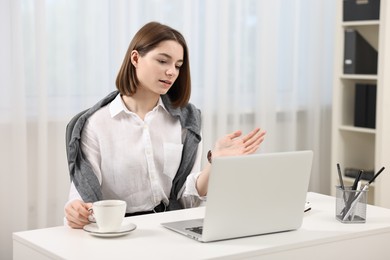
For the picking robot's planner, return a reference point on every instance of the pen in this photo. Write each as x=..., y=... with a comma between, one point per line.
x=357, y=179
x=357, y=197
x=351, y=193
x=376, y=175
x=341, y=182
x=354, y=202
x=357, y=188
x=340, y=176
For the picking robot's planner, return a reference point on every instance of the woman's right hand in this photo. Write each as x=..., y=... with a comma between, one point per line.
x=76, y=213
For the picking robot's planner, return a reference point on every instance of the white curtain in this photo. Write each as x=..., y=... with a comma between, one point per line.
x=254, y=63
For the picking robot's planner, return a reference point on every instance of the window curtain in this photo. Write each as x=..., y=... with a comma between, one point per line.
x=253, y=62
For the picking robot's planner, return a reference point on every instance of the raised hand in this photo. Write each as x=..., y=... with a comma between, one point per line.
x=236, y=144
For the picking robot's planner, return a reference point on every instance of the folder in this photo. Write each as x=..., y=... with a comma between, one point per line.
x=355, y=10
x=365, y=105
x=371, y=106
x=360, y=105
x=359, y=56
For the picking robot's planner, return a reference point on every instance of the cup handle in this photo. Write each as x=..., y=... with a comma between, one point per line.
x=91, y=217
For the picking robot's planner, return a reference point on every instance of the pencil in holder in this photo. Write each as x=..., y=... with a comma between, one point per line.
x=351, y=205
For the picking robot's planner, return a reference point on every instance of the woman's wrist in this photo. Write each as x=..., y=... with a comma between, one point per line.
x=210, y=156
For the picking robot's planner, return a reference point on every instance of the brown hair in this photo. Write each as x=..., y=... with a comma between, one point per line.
x=145, y=40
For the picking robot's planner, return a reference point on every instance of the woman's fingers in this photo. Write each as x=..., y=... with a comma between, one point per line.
x=77, y=214
x=76, y=223
x=253, y=144
x=232, y=145
x=254, y=137
x=234, y=135
x=250, y=135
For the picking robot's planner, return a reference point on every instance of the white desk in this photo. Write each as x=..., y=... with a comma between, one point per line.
x=320, y=237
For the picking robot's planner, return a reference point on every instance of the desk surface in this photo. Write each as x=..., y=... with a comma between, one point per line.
x=320, y=231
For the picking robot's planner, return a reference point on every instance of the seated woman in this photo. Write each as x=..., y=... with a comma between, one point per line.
x=142, y=143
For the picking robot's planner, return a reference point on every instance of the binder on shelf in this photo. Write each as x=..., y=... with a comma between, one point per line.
x=371, y=106
x=360, y=105
x=357, y=10
x=365, y=105
x=359, y=56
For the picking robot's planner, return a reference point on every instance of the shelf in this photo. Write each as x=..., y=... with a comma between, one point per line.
x=360, y=23
x=357, y=129
x=359, y=77
x=359, y=147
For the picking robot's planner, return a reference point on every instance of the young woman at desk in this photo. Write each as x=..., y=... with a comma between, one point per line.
x=142, y=143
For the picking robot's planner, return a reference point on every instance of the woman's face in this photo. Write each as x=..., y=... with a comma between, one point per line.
x=159, y=68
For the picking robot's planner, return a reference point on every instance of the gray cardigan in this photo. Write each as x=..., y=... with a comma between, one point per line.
x=80, y=169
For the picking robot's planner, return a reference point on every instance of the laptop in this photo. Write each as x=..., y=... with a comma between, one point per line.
x=252, y=195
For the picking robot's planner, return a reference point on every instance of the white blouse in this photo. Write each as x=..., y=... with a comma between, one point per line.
x=136, y=160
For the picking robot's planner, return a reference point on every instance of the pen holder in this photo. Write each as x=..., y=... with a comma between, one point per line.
x=351, y=205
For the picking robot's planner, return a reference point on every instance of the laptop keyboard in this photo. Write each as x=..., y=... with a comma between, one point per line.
x=198, y=230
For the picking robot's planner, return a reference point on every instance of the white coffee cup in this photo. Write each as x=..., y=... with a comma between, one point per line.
x=109, y=214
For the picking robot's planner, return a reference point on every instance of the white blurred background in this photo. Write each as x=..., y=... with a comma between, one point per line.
x=253, y=62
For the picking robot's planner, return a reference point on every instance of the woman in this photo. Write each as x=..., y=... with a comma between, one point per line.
x=142, y=143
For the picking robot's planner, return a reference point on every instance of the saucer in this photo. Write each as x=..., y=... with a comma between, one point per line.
x=125, y=229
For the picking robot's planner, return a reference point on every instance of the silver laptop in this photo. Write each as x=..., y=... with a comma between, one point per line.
x=252, y=195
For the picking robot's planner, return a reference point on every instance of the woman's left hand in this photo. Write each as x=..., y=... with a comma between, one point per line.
x=231, y=145
x=235, y=144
